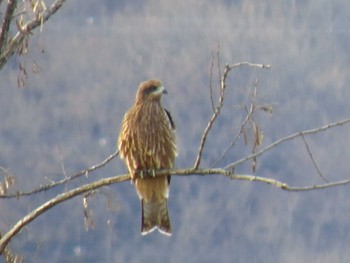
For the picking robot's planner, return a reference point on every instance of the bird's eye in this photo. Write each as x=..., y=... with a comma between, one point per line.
x=151, y=89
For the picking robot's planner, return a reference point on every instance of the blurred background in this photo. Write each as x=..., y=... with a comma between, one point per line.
x=84, y=69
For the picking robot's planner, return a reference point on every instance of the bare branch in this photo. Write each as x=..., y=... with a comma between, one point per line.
x=11, y=6
x=287, y=138
x=65, y=180
x=64, y=172
x=5, y=239
x=211, y=82
x=316, y=186
x=313, y=160
x=55, y=201
x=240, y=131
x=24, y=30
x=217, y=111
x=213, y=117
x=219, y=63
x=266, y=66
x=251, y=178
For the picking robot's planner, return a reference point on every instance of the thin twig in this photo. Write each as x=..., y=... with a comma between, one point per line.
x=213, y=117
x=211, y=82
x=266, y=66
x=313, y=160
x=239, y=132
x=63, y=168
x=217, y=111
x=219, y=63
x=284, y=139
x=65, y=180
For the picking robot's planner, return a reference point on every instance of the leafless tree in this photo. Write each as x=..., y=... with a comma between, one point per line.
x=19, y=21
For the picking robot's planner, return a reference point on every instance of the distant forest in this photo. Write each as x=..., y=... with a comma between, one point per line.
x=62, y=114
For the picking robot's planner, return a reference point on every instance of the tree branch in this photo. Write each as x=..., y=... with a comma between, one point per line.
x=217, y=111
x=5, y=239
x=285, y=139
x=55, y=201
x=24, y=30
x=251, y=178
x=213, y=117
x=313, y=160
x=63, y=181
x=211, y=82
x=11, y=6
x=239, y=132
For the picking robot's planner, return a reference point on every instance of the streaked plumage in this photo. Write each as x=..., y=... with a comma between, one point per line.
x=147, y=142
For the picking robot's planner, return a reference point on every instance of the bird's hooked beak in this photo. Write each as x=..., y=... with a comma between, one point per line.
x=164, y=91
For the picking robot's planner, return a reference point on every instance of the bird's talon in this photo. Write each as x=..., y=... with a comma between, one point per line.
x=141, y=174
x=153, y=172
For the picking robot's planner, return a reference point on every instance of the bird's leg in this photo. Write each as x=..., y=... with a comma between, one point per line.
x=141, y=174
x=152, y=172
x=147, y=173
x=144, y=173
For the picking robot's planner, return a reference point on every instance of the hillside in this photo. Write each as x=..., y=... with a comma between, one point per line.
x=91, y=58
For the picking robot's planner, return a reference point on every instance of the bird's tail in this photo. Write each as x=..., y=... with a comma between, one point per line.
x=155, y=215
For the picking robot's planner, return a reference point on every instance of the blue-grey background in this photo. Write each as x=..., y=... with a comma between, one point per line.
x=92, y=55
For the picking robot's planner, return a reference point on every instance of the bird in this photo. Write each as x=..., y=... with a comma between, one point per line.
x=146, y=143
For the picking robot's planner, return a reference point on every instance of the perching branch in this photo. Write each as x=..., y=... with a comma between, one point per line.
x=180, y=172
x=5, y=239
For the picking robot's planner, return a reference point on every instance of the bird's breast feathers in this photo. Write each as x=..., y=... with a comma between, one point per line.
x=148, y=138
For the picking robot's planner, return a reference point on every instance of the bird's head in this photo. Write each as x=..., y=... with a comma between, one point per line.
x=150, y=90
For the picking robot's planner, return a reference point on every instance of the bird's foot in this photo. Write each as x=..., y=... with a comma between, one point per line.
x=147, y=173
x=152, y=172
x=141, y=174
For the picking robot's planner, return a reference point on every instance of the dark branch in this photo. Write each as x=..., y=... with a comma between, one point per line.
x=313, y=160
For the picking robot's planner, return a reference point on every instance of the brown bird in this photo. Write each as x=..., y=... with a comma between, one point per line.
x=147, y=142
